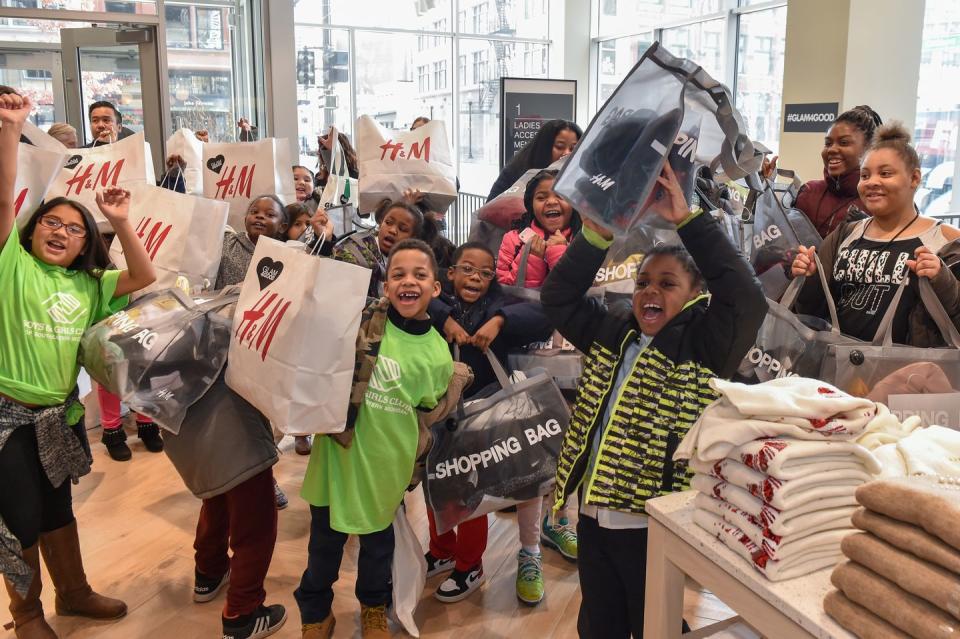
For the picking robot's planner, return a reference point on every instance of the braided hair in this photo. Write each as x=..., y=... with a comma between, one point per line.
x=864, y=118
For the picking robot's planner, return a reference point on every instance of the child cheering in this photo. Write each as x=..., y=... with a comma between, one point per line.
x=56, y=286
x=645, y=382
x=355, y=483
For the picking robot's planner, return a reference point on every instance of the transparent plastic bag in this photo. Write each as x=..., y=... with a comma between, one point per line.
x=160, y=354
x=496, y=451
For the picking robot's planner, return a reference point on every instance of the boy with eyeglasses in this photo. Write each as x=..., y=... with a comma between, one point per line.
x=476, y=317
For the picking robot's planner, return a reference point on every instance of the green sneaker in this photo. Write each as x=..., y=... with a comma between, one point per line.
x=529, y=578
x=562, y=537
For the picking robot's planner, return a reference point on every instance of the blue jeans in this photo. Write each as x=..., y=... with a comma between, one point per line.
x=325, y=551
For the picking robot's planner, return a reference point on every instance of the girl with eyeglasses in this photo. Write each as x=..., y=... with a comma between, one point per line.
x=477, y=317
x=56, y=286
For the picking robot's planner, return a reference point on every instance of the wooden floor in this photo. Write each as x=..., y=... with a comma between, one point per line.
x=137, y=523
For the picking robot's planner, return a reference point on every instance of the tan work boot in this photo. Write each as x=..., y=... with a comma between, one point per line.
x=28, y=621
x=321, y=630
x=61, y=553
x=373, y=622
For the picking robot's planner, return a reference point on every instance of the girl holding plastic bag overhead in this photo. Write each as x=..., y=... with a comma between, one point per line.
x=58, y=284
x=867, y=260
x=619, y=446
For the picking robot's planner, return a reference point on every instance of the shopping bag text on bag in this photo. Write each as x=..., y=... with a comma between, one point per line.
x=419, y=151
x=236, y=180
x=933, y=409
x=253, y=333
x=495, y=454
x=84, y=179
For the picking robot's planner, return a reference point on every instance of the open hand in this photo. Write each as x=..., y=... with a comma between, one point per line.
x=203, y=135
x=927, y=264
x=114, y=203
x=14, y=109
x=412, y=196
x=244, y=124
x=805, y=263
x=769, y=167
x=672, y=205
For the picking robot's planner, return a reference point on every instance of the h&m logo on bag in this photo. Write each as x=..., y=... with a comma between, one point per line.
x=126, y=325
x=258, y=325
x=230, y=183
x=83, y=178
x=418, y=150
x=602, y=181
x=156, y=235
x=18, y=203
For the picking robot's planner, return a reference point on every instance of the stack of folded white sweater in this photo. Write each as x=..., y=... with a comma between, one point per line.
x=777, y=467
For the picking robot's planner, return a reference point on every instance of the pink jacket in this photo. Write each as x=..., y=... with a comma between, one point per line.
x=508, y=262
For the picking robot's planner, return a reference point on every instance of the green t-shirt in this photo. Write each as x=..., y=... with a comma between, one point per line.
x=364, y=484
x=44, y=312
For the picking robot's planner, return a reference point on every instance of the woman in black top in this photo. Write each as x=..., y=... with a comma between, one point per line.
x=554, y=140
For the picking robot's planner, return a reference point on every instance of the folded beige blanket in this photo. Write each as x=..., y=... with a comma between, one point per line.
x=916, y=576
x=916, y=500
x=883, y=598
x=857, y=619
x=908, y=537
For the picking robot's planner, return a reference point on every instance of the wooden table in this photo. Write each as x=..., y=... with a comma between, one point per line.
x=677, y=547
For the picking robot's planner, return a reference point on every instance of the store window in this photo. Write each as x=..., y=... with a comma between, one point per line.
x=403, y=70
x=210, y=29
x=759, y=87
x=938, y=108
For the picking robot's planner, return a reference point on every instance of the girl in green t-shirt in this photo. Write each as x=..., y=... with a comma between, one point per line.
x=55, y=286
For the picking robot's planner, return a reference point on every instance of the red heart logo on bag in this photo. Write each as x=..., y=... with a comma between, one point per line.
x=268, y=271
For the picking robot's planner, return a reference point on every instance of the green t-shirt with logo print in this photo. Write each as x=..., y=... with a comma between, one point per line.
x=44, y=312
x=364, y=484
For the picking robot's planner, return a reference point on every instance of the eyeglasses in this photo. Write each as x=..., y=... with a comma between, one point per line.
x=468, y=270
x=53, y=223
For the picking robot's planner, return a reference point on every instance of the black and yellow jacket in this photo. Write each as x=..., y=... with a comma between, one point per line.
x=668, y=387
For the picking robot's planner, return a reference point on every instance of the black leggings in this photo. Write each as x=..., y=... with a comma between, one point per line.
x=29, y=504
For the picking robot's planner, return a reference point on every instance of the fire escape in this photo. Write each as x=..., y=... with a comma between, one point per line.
x=503, y=51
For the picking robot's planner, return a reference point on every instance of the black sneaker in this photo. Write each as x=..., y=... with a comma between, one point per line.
x=116, y=442
x=150, y=435
x=435, y=565
x=262, y=622
x=206, y=588
x=460, y=584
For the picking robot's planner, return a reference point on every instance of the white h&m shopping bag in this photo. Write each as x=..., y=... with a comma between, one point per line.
x=183, y=236
x=184, y=143
x=238, y=172
x=36, y=169
x=341, y=195
x=293, y=346
x=85, y=172
x=393, y=161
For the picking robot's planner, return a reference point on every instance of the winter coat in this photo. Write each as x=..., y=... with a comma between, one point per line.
x=523, y=324
x=223, y=442
x=667, y=388
x=511, y=254
x=827, y=202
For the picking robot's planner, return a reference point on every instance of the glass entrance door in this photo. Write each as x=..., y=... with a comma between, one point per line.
x=119, y=66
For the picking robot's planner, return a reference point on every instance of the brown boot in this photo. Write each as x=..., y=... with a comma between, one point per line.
x=373, y=622
x=28, y=621
x=321, y=630
x=61, y=553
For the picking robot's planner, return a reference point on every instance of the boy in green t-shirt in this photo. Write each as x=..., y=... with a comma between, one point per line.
x=357, y=489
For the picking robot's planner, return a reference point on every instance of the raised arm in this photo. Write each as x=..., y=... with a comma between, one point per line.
x=14, y=110
x=114, y=203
